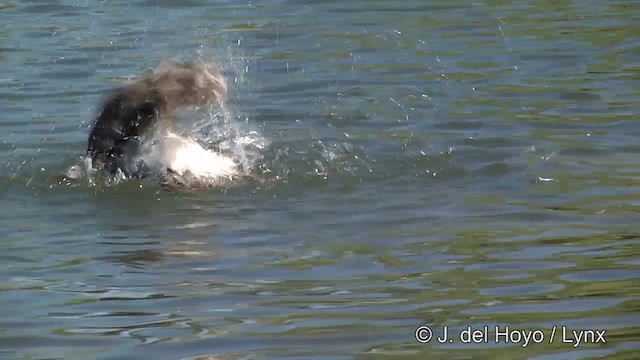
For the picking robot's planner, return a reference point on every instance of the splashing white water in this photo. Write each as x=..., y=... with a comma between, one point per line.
x=186, y=157
x=223, y=133
x=211, y=147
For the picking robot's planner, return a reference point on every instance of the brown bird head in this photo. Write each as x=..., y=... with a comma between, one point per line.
x=185, y=85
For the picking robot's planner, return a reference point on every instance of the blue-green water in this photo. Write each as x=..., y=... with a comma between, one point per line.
x=436, y=163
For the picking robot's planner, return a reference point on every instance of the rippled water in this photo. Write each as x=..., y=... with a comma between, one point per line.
x=441, y=163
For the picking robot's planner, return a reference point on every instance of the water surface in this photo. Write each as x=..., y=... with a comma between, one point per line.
x=441, y=163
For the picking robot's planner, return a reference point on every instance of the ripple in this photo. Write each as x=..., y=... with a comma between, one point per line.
x=522, y=290
x=519, y=265
x=576, y=354
x=601, y=275
x=557, y=306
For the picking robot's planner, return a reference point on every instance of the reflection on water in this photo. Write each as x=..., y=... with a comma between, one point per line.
x=442, y=164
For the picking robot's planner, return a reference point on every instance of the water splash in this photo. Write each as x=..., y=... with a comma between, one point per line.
x=221, y=133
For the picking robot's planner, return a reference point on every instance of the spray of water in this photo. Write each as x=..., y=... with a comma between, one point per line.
x=211, y=139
